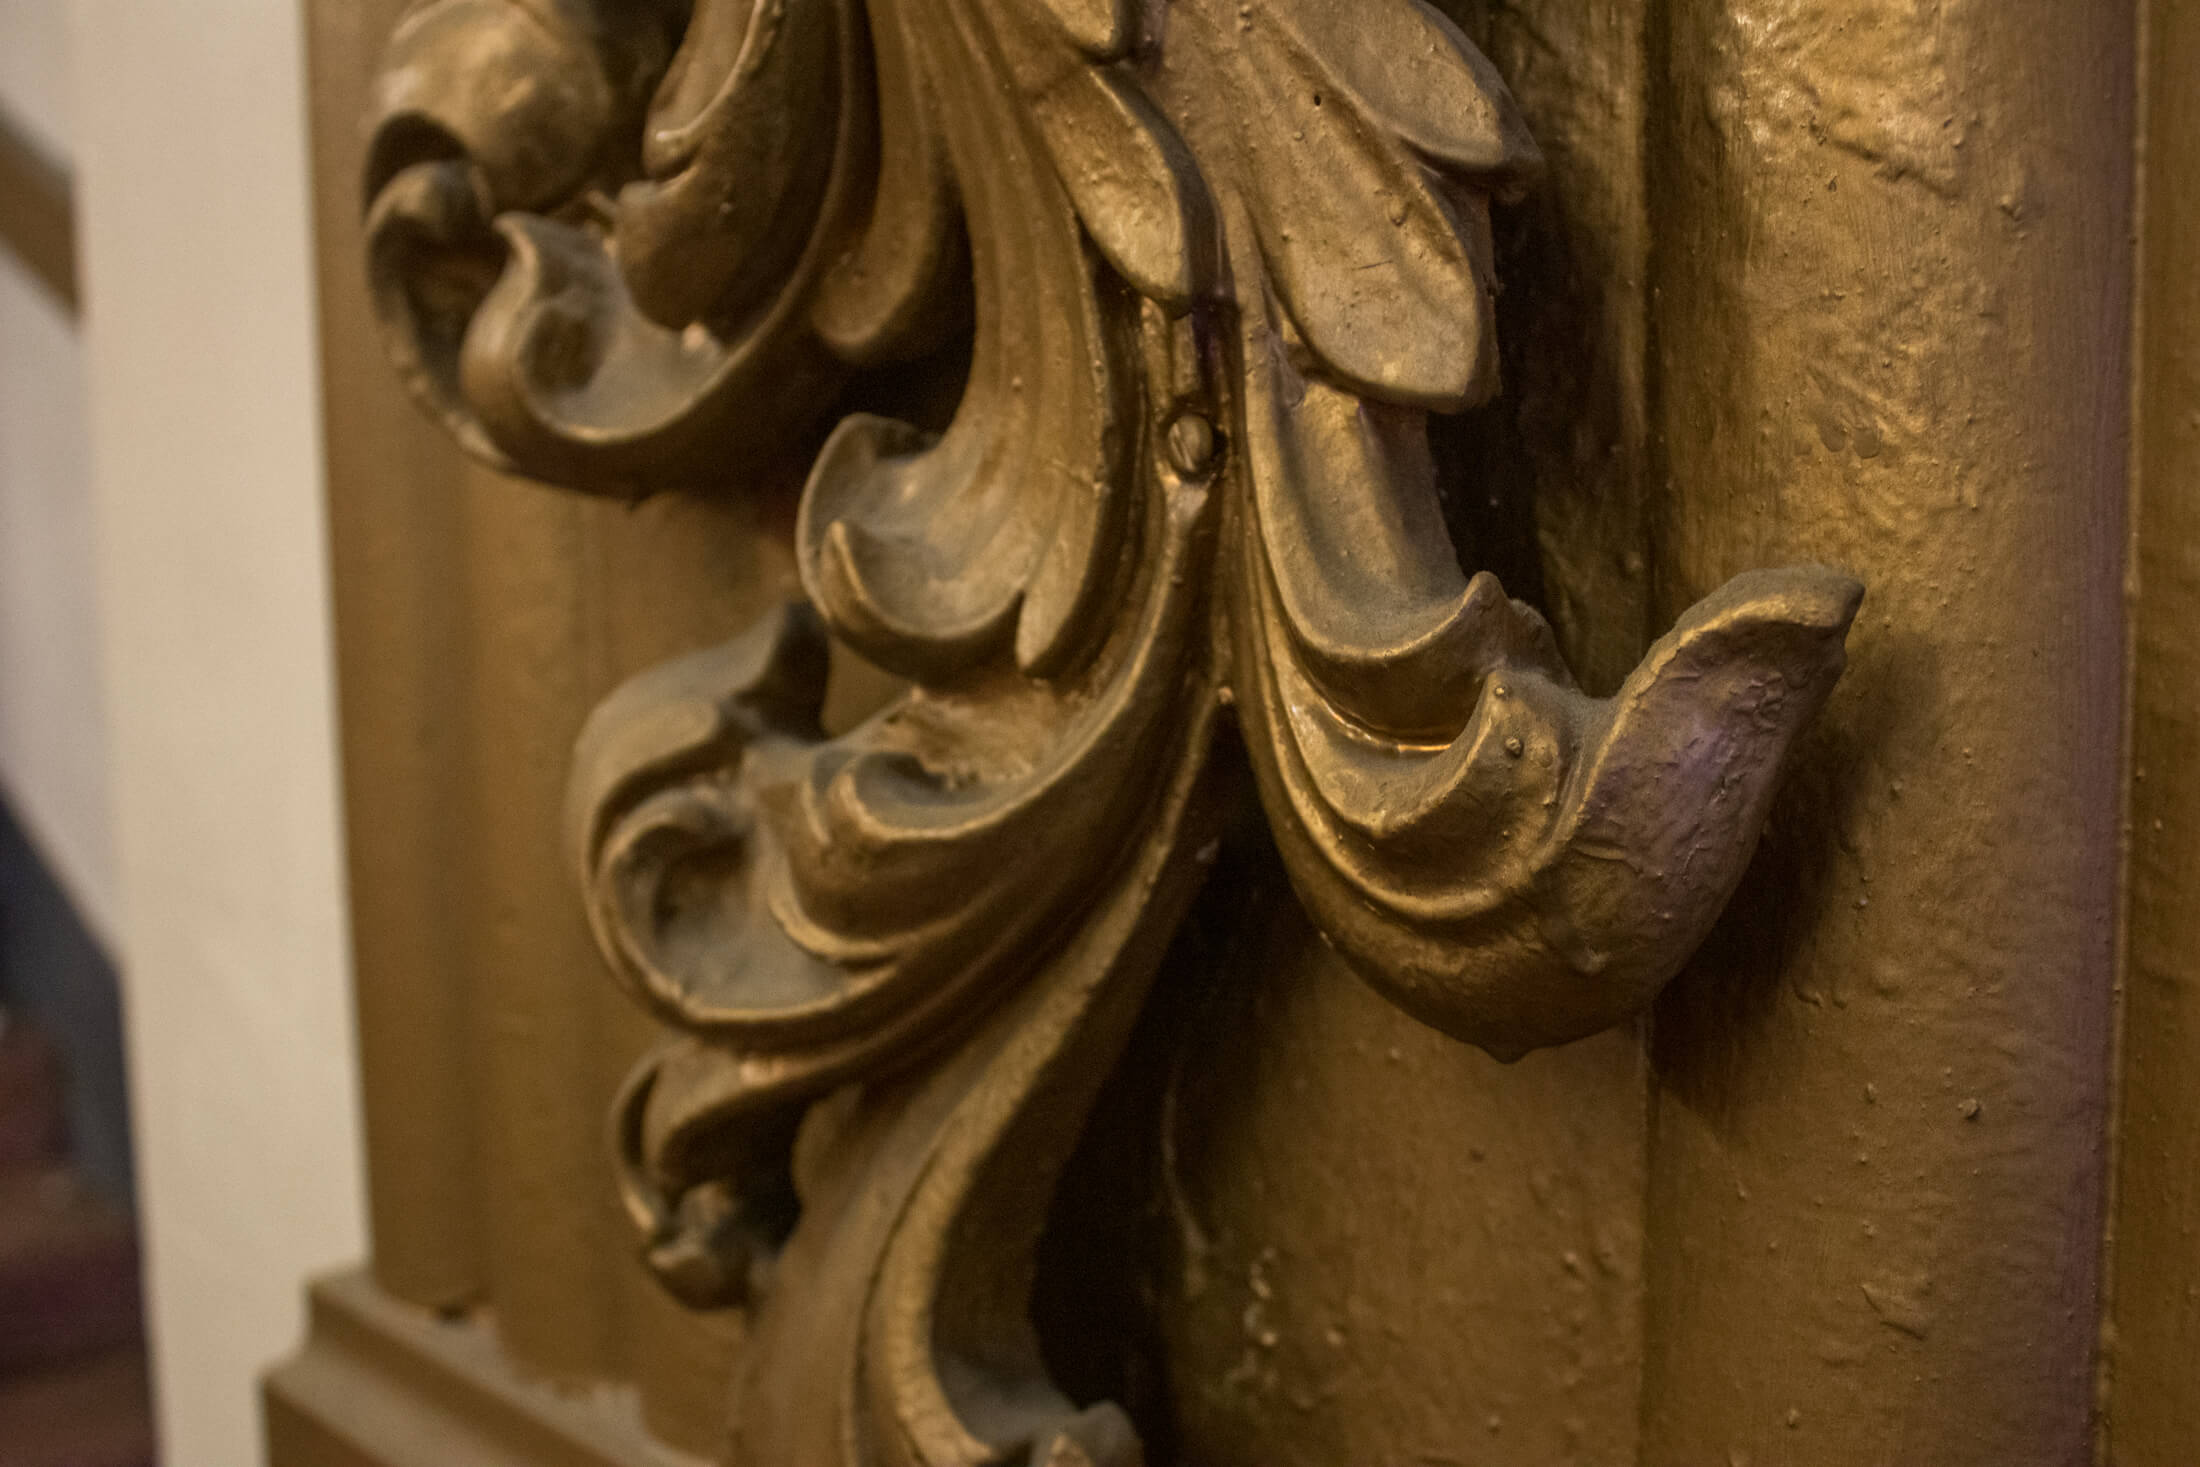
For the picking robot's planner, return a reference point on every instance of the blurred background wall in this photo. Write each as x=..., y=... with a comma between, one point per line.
x=166, y=748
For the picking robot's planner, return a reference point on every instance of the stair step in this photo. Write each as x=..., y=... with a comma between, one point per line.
x=94, y=1413
x=68, y=1272
x=33, y=1124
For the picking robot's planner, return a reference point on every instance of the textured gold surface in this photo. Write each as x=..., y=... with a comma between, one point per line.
x=477, y=619
x=1798, y=283
x=1892, y=275
x=1225, y=261
x=2154, y=1335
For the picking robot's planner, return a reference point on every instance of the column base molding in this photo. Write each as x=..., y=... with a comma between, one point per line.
x=381, y=1383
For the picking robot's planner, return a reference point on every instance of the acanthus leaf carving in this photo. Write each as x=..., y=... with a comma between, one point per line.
x=1221, y=262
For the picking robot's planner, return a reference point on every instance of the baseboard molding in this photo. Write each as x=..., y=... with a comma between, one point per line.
x=380, y=1383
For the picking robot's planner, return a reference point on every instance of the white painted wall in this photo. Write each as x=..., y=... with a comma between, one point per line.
x=34, y=69
x=164, y=657
x=53, y=753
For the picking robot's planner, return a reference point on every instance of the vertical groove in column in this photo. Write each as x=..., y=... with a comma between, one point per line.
x=1574, y=317
x=533, y=673
x=400, y=625
x=1571, y=427
x=1890, y=333
x=567, y=596
x=2154, y=1387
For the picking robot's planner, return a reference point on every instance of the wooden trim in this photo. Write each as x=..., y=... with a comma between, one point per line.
x=386, y=1384
x=38, y=212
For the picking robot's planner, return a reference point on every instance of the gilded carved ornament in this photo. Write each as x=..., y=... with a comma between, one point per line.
x=1217, y=261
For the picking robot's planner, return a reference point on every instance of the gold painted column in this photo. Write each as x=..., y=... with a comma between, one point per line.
x=567, y=596
x=2154, y=1354
x=397, y=566
x=478, y=619
x=1891, y=250
x=1489, y=1303
x=1802, y=281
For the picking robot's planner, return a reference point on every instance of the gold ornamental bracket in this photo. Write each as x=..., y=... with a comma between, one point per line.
x=1217, y=264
